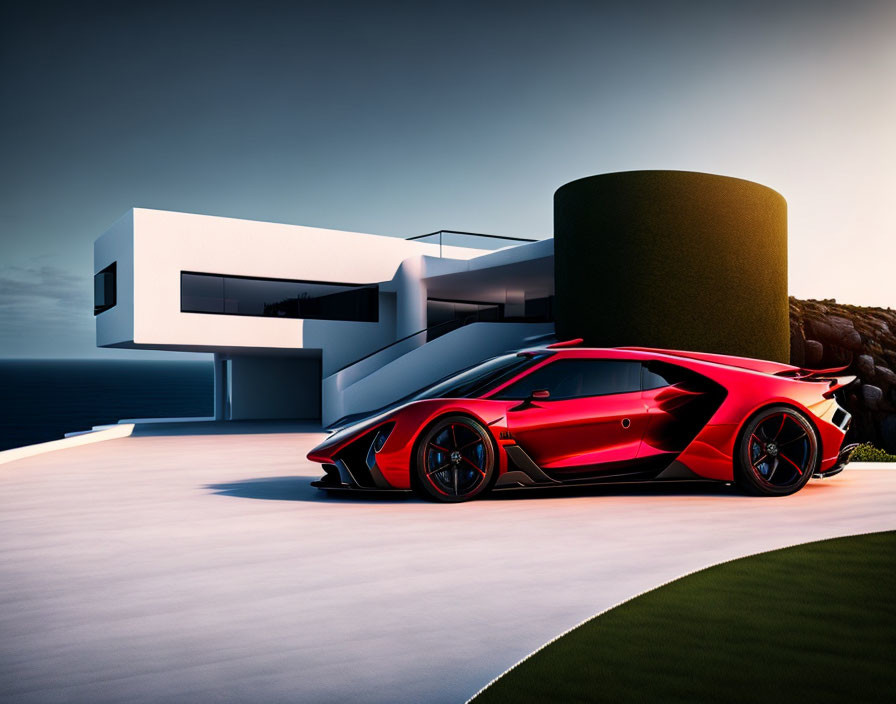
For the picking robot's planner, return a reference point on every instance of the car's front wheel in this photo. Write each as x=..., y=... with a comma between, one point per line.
x=455, y=459
x=777, y=453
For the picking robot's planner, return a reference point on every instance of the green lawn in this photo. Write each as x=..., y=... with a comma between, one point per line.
x=812, y=623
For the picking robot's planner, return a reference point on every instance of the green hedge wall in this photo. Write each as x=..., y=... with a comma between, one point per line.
x=672, y=259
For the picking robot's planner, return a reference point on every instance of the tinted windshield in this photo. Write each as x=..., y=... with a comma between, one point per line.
x=475, y=381
x=471, y=382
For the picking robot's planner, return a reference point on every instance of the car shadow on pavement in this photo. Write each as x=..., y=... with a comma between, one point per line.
x=659, y=489
x=299, y=489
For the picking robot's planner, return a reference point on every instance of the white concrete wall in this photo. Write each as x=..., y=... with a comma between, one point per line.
x=457, y=350
x=343, y=378
x=167, y=243
x=343, y=342
x=411, y=297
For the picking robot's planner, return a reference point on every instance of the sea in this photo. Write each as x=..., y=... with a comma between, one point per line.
x=42, y=400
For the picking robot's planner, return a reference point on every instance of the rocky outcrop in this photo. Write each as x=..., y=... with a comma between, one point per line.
x=830, y=334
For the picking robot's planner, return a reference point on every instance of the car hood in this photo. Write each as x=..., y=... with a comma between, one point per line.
x=342, y=435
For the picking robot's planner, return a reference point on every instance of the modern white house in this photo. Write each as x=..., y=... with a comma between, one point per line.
x=308, y=323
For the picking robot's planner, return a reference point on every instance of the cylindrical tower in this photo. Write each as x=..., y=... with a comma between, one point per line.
x=672, y=259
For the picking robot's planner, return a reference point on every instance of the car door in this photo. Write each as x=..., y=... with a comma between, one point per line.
x=594, y=413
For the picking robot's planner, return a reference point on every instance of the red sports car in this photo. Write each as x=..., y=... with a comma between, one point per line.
x=567, y=415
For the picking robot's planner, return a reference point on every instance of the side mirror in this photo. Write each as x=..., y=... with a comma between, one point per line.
x=537, y=395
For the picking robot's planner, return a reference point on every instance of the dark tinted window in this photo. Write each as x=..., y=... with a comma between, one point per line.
x=479, y=379
x=201, y=294
x=443, y=316
x=104, y=289
x=259, y=297
x=655, y=375
x=278, y=298
x=575, y=378
x=652, y=379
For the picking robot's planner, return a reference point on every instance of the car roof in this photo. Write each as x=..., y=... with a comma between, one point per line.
x=671, y=356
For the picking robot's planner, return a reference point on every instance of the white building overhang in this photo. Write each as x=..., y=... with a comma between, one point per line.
x=153, y=248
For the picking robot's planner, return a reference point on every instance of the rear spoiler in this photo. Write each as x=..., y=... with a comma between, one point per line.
x=803, y=373
x=832, y=376
x=837, y=383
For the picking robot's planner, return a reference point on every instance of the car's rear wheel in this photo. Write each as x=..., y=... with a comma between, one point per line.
x=455, y=459
x=777, y=452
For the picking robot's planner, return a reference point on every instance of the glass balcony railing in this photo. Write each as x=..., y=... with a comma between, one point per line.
x=472, y=240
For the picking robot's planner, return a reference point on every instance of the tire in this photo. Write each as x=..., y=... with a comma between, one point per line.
x=455, y=460
x=777, y=452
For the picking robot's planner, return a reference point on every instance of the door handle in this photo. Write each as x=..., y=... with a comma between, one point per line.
x=626, y=423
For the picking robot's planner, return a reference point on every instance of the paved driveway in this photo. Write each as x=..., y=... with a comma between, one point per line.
x=205, y=568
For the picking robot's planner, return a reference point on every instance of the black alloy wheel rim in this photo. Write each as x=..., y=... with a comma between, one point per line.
x=780, y=450
x=455, y=459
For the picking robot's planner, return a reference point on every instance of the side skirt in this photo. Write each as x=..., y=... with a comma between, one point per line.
x=523, y=472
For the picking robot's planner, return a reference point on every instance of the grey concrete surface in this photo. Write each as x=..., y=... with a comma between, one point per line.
x=205, y=569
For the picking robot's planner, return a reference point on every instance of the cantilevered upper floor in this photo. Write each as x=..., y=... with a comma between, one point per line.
x=240, y=288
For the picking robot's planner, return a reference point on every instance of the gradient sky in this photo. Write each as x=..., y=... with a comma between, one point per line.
x=402, y=118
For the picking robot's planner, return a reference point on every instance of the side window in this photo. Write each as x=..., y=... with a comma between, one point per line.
x=576, y=378
x=656, y=375
x=104, y=286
